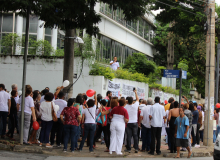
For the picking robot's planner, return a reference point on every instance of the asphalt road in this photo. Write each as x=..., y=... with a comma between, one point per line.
x=5, y=155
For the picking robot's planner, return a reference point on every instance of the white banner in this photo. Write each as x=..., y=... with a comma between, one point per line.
x=141, y=93
x=114, y=88
x=127, y=91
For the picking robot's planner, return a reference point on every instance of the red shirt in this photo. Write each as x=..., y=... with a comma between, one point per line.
x=71, y=114
x=119, y=110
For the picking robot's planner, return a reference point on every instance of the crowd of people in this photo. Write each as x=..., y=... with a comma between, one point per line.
x=122, y=120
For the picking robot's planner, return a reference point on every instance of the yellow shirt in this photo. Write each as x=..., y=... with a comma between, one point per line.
x=167, y=107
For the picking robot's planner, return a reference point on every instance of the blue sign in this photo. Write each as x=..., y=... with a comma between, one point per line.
x=171, y=73
x=174, y=74
x=184, y=74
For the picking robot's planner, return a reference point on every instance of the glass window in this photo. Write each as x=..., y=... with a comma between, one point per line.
x=146, y=31
x=48, y=31
x=106, y=50
x=141, y=27
x=0, y=23
x=118, y=51
x=48, y=38
x=7, y=23
x=33, y=25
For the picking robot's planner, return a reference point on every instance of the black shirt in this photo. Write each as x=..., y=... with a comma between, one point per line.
x=13, y=106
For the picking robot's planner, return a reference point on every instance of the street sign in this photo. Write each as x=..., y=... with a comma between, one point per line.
x=174, y=74
x=184, y=74
x=171, y=73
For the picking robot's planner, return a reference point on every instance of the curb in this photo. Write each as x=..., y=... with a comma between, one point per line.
x=21, y=148
x=194, y=154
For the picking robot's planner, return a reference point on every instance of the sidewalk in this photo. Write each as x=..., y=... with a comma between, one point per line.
x=6, y=144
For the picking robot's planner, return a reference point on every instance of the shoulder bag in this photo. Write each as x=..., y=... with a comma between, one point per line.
x=54, y=116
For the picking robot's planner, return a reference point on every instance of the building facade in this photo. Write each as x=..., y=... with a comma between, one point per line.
x=119, y=37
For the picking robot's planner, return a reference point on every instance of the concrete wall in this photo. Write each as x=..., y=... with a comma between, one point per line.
x=44, y=72
x=163, y=96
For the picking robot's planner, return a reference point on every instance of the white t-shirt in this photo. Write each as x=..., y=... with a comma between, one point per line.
x=132, y=112
x=62, y=104
x=157, y=112
x=45, y=110
x=17, y=99
x=88, y=117
x=28, y=103
x=145, y=113
x=142, y=106
x=115, y=65
x=42, y=99
x=4, y=97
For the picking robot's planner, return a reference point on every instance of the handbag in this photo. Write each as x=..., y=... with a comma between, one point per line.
x=54, y=116
x=99, y=119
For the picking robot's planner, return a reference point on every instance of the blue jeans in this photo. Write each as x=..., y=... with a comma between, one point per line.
x=146, y=137
x=46, y=127
x=214, y=136
x=77, y=137
x=168, y=137
x=217, y=131
x=70, y=131
x=89, y=128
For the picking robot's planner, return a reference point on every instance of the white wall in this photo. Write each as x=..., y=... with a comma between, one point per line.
x=43, y=73
x=163, y=96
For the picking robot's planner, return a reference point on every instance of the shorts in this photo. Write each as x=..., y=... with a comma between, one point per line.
x=182, y=143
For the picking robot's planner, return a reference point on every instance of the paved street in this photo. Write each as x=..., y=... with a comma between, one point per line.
x=5, y=155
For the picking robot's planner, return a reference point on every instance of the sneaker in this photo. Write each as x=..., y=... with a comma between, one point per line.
x=152, y=153
x=80, y=150
x=197, y=146
x=72, y=151
x=91, y=151
x=64, y=150
x=159, y=153
x=129, y=151
x=110, y=152
x=120, y=153
x=136, y=151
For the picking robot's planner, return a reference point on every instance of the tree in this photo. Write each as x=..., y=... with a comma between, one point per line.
x=138, y=62
x=70, y=15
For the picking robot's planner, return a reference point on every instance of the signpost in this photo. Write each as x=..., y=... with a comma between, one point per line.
x=176, y=74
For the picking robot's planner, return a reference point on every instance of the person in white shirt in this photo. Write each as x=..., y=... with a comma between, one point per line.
x=88, y=122
x=114, y=64
x=132, y=126
x=5, y=106
x=46, y=118
x=58, y=126
x=28, y=111
x=143, y=104
x=146, y=125
x=157, y=114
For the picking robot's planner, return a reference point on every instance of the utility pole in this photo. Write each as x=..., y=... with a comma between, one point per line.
x=210, y=74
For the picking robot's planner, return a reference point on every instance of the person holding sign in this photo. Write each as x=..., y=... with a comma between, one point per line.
x=114, y=64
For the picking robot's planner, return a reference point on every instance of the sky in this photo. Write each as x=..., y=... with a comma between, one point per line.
x=158, y=11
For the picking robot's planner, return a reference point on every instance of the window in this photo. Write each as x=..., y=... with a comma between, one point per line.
x=60, y=39
x=7, y=23
x=33, y=25
x=48, y=33
x=140, y=26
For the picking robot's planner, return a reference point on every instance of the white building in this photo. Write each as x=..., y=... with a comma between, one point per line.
x=120, y=38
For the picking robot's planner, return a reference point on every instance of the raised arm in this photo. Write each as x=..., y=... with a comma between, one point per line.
x=186, y=99
x=137, y=98
x=95, y=97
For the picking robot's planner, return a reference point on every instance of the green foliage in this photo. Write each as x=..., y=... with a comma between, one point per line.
x=59, y=52
x=99, y=70
x=138, y=62
x=102, y=70
x=10, y=42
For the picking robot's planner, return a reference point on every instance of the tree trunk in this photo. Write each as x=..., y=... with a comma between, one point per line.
x=68, y=65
